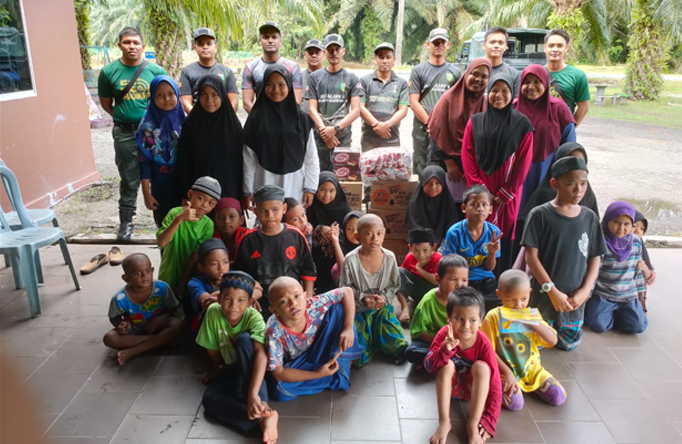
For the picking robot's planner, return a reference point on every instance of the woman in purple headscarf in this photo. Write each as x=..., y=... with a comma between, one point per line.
x=615, y=302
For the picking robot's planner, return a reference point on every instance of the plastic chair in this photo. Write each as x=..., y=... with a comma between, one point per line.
x=23, y=245
x=38, y=217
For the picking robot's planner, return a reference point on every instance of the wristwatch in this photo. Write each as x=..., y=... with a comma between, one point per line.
x=337, y=129
x=547, y=287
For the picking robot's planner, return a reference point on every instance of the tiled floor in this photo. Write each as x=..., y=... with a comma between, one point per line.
x=621, y=389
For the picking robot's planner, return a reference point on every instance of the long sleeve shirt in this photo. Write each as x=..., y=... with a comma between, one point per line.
x=482, y=350
x=621, y=281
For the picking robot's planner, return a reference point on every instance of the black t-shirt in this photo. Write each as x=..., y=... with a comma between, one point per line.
x=190, y=75
x=266, y=258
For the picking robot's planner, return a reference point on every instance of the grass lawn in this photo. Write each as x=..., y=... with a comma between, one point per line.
x=596, y=69
x=660, y=113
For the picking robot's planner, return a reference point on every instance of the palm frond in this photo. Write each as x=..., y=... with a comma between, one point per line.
x=669, y=14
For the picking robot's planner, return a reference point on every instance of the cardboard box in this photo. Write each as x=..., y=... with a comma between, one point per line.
x=392, y=194
x=398, y=247
x=346, y=163
x=347, y=173
x=353, y=192
x=394, y=221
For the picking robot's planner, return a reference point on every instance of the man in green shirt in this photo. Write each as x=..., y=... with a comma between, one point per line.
x=127, y=110
x=566, y=81
x=384, y=103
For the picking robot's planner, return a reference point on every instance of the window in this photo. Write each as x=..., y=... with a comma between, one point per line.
x=16, y=76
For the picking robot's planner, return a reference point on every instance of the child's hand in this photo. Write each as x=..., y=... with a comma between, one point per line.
x=334, y=233
x=450, y=341
x=150, y=202
x=651, y=279
x=255, y=408
x=328, y=369
x=247, y=203
x=511, y=386
x=497, y=200
x=210, y=375
x=255, y=304
x=560, y=301
x=380, y=303
x=346, y=339
x=307, y=199
x=404, y=315
x=370, y=301
x=122, y=328
x=578, y=297
x=494, y=245
x=188, y=213
x=308, y=229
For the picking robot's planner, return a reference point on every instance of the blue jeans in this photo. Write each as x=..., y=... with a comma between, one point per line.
x=627, y=316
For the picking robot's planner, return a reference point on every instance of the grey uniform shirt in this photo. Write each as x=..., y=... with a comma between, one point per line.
x=190, y=75
x=382, y=100
x=435, y=81
x=333, y=91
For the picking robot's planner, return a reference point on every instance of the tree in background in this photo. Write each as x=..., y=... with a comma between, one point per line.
x=83, y=25
x=646, y=61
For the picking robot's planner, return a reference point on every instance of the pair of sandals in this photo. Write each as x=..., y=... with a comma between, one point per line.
x=114, y=257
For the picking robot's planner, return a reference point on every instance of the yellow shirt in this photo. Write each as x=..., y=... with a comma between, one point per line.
x=518, y=349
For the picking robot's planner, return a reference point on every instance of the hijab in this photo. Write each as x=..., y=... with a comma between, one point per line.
x=498, y=132
x=159, y=131
x=334, y=211
x=277, y=132
x=346, y=245
x=549, y=116
x=437, y=213
x=619, y=246
x=211, y=143
x=639, y=217
x=545, y=193
x=450, y=116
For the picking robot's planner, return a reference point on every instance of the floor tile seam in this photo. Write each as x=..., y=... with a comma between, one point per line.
x=397, y=410
x=535, y=423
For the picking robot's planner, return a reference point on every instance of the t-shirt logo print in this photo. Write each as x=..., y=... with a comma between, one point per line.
x=583, y=244
x=291, y=253
x=342, y=87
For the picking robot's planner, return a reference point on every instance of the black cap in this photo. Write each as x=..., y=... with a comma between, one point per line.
x=238, y=279
x=567, y=164
x=313, y=43
x=269, y=25
x=200, y=32
x=439, y=33
x=333, y=39
x=209, y=245
x=420, y=236
x=384, y=45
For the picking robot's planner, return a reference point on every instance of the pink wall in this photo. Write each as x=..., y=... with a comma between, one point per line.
x=45, y=139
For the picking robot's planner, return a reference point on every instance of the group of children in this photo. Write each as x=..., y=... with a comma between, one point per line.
x=250, y=296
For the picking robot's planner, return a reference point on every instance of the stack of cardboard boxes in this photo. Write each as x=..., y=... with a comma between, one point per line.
x=346, y=163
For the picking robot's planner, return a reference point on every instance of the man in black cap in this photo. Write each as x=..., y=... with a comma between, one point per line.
x=314, y=57
x=205, y=46
x=334, y=101
x=270, y=39
x=428, y=82
x=385, y=101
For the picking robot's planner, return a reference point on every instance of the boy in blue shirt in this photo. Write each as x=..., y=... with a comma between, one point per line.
x=478, y=241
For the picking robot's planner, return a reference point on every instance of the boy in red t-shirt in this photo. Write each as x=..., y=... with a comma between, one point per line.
x=466, y=368
x=419, y=269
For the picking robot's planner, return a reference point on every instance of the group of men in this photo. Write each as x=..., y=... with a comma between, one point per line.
x=332, y=96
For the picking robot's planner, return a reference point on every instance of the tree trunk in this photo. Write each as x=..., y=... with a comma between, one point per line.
x=167, y=35
x=83, y=23
x=647, y=57
x=400, y=22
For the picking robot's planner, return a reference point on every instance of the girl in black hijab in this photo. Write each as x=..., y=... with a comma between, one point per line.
x=329, y=209
x=211, y=141
x=279, y=147
x=432, y=205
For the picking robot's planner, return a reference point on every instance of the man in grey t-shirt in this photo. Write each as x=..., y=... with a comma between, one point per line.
x=314, y=58
x=206, y=48
x=334, y=102
x=495, y=44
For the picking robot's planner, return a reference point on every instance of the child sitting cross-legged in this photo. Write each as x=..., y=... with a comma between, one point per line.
x=183, y=230
x=233, y=335
x=229, y=224
x=616, y=301
x=430, y=315
x=466, y=368
x=418, y=271
x=478, y=241
x=516, y=333
x=371, y=271
x=310, y=340
x=145, y=313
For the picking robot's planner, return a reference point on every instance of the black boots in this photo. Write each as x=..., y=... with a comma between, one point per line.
x=125, y=229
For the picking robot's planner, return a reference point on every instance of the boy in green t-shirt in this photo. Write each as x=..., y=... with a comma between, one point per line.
x=233, y=335
x=183, y=230
x=431, y=314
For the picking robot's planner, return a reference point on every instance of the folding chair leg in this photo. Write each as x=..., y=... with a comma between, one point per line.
x=16, y=270
x=28, y=268
x=39, y=268
x=55, y=223
x=8, y=262
x=69, y=262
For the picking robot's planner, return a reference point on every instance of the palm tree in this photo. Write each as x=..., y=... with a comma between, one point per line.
x=108, y=18
x=646, y=61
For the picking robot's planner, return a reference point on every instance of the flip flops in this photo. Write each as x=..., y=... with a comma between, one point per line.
x=115, y=256
x=95, y=263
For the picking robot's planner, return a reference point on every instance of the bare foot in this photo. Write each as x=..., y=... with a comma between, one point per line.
x=440, y=436
x=122, y=357
x=269, y=427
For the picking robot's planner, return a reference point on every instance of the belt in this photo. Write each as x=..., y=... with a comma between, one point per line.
x=127, y=126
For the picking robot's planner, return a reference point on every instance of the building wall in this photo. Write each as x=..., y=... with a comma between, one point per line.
x=45, y=139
